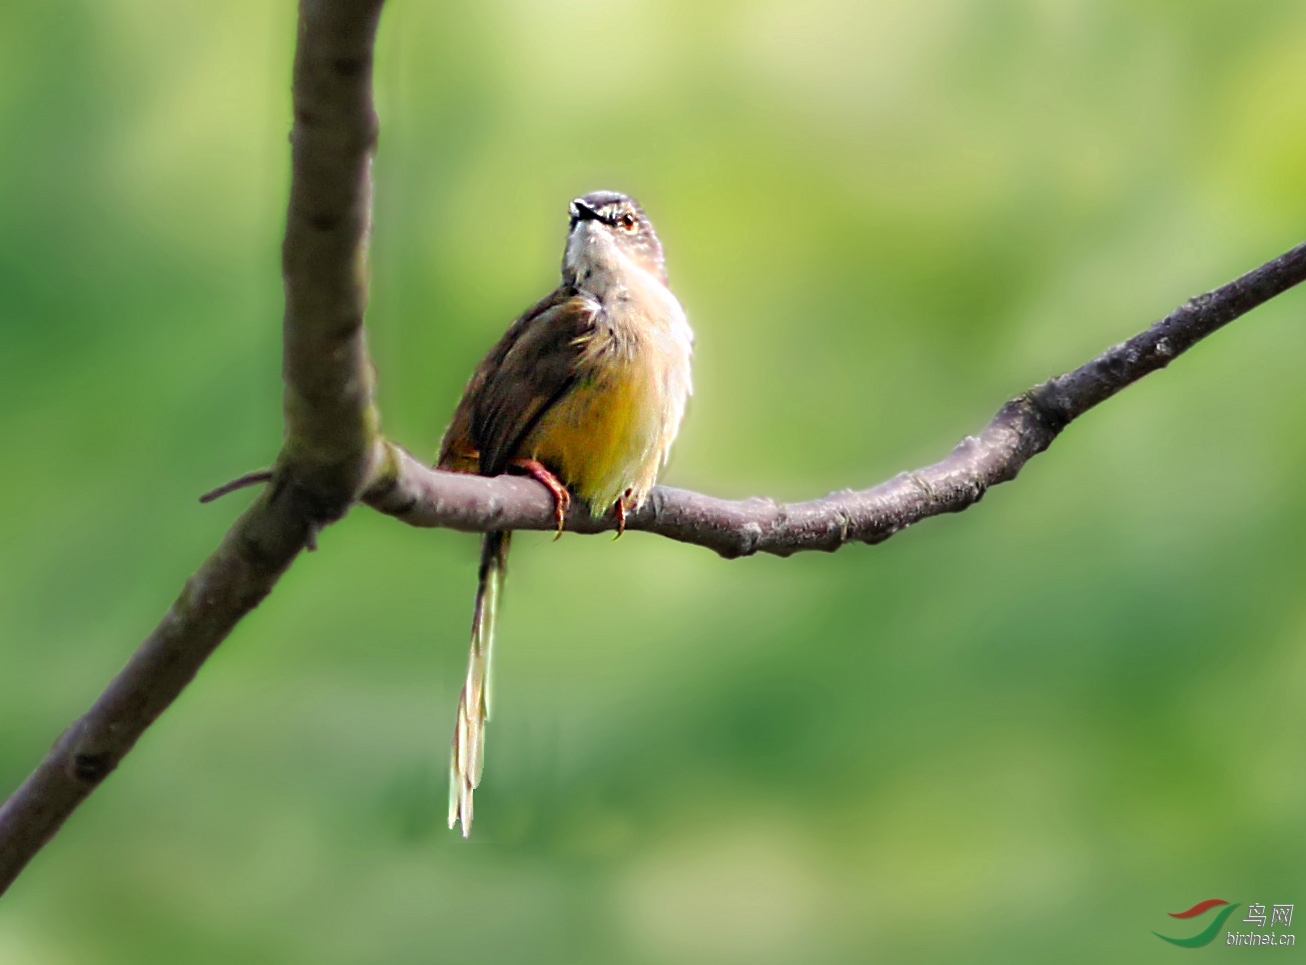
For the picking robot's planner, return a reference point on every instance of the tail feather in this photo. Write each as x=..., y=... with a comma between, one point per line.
x=468, y=755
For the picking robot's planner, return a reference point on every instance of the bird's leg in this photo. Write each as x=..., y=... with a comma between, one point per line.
x=561, y=498
x=621, y=513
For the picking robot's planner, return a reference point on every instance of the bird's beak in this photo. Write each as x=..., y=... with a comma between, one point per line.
x=581, y=210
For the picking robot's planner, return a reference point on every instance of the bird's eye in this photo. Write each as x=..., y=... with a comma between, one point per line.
x=627, y=222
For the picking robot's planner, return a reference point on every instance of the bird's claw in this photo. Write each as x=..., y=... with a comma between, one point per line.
x=621, y=513
x=561, y=497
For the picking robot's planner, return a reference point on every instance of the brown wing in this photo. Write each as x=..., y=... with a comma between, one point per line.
x=531, y=367
x=458, y=450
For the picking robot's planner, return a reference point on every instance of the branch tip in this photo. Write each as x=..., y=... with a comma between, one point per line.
x=240, y=482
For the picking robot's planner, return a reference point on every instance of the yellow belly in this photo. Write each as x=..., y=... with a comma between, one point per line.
x=609, y=434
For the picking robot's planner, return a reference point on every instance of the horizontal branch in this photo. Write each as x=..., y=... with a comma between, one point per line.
x=420, y=496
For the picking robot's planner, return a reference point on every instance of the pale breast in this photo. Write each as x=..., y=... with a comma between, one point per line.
x=613, y=431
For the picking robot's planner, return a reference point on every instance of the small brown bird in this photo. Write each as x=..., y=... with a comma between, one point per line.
x=584, y=392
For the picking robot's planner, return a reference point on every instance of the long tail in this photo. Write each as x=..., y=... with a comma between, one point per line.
x=468, y=755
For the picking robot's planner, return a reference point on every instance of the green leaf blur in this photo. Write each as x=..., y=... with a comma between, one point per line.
x=1020, y=734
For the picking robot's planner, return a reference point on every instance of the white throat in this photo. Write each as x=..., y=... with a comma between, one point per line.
x=597, y=265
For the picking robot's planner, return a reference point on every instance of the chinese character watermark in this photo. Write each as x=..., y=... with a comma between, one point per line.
x=1279, y=915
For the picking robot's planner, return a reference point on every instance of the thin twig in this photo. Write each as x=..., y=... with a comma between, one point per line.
x=240, y=482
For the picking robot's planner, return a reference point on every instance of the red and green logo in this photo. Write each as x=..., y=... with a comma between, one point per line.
x=1207, y=934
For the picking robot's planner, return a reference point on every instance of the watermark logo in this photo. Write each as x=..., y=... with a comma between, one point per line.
x=1207, y=934
x=1256, y=917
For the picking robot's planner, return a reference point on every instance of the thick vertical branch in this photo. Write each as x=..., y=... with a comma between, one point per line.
x=331, y=444
x=331, y=419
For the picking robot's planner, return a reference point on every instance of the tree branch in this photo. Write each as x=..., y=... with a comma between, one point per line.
x=1024, y=427
x=332, y=444
x=334, y=455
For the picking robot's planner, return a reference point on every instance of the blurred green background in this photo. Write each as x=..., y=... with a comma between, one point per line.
x=1020, y=734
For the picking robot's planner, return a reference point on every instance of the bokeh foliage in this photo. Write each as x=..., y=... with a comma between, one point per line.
x=1020, y=734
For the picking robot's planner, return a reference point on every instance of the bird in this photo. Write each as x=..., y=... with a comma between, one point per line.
x=585, y=393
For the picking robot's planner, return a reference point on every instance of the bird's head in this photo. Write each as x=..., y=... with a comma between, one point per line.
x=607, y=230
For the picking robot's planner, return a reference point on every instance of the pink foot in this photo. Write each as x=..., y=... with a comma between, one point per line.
x=561, y=498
